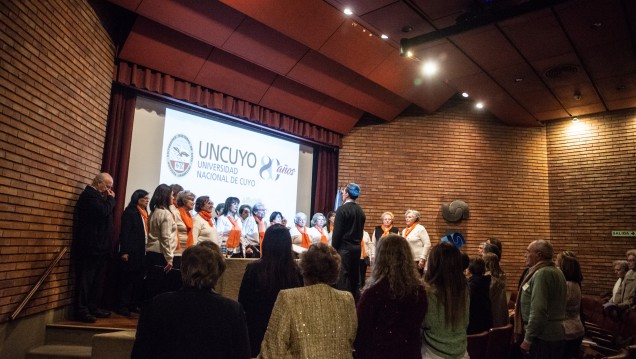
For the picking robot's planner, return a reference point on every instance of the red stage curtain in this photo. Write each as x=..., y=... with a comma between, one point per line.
x=326, y=180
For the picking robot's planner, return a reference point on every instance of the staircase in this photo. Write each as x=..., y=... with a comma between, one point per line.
x=72, y=340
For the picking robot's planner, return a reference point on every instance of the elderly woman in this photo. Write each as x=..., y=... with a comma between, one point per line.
x=203, y=223
x=229, y=227
x=568, y=263
x=417, y=237
x=183, y=217
x=385, y=229
x=317, y=232
x=195, y=321
x=392, y=306
x=300, y=233
x=315, y=321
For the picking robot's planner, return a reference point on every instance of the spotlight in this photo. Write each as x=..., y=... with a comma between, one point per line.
x=465, y=94
x=348, y=11
x=430, y=68
x=575, y=119
x=384, y=36
x=479, y=105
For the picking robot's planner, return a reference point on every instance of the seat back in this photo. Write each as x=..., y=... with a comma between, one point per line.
x=477, y=345
x=499, y=342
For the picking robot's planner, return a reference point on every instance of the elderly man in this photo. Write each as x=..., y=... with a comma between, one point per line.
x=92, y=244
x=542, y=304
x=625, y=295
x=253, y=231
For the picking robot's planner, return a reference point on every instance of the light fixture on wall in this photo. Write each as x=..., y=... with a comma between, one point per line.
x=575, y=119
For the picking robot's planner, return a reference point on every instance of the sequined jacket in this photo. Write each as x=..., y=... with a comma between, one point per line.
x=315, y=322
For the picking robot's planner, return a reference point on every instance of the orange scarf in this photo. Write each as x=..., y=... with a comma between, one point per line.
x=408, y=230
x=207, y=216
x=186, y=217
x=323, y=238
x=234, y=238
x=144, y=215
x=363, y=252
x=261, y=232
x=306, y=241
x=330, y=227
x=385, y=230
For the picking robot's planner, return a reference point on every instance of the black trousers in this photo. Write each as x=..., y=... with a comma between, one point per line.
x=349, y=278
x=157, y=281
x=89, y=275
x=130, y=285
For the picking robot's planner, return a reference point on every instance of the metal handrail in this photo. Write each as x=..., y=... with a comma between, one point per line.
x=37, y=285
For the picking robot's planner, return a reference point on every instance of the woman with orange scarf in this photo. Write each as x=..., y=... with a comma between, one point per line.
x=229, y=226
x=317, y=232
x=299, y=233
x=417, y=237
x=203, y=223
x=331, y=218
x=132, y=251
x=183, y=217
x=385, y=229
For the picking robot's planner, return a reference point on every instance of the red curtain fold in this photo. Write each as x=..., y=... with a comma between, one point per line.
x=326, y=180
x=142, y=78
x=117, y=143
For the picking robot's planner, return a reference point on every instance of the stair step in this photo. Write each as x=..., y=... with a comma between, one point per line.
x=73, y=334
x=115, y=345
x=59, y=351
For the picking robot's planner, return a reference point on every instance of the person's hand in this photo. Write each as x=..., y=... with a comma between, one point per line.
x=249, y=250
x=168, y=267
x=421, y=263
x=110, y=192
x=124, y=257
x=525, y=348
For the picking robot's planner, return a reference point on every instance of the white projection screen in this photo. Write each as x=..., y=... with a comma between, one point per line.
x=208, y=155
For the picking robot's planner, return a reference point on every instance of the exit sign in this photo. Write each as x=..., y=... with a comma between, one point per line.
x=623, y=233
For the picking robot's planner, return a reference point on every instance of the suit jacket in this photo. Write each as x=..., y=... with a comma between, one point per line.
x=132, y=239
x=315, y=322
x=93, y=224
x=348, y=226
x=191, y=323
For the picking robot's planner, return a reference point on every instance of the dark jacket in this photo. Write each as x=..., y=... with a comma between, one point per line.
x=348, y=226
x=132, y=239
x=191, y=323
x=93, y=223
x=480, y=314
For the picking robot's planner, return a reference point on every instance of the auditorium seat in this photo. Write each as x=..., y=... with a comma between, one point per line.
x=477, y=344
x=499, y=341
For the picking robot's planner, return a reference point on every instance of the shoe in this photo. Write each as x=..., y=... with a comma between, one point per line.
x=86, y=318
x=98, y=313
x=123, y=312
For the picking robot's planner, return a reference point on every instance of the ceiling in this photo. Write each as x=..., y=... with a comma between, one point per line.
x=528, y=62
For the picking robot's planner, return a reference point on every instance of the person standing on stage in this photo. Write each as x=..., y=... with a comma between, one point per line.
x=347, y=234
x=254, y=229
x=417, y=237
x=317, y=231
x=385, y=229
x=229, y=227
x=92, y=244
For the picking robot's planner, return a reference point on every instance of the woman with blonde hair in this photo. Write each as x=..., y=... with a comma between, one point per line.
x=498, y=301
x=417, y=237
x=446, y=321
x=392, y=306
x=384, y=229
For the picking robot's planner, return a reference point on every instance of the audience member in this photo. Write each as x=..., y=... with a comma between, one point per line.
x=480, y=313
x=254, y=228
x=347, y=233
x=229, y=226
x=491, y=248
x=299, y=232
x=392, y=306
x=161, y=245
x=498, y=301
x=541, y=304
x=497, y=243
x=132, y=252
x=203, y=228
x=92, y=245
x=627, y=289
x=263, y=279
x=195, y=321
x=572, y=325
x=620, y=269
x=384, y=229
x=315, y=321
x=417, y=237
x=446, y=320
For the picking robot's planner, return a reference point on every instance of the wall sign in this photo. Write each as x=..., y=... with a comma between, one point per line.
x=623, y=233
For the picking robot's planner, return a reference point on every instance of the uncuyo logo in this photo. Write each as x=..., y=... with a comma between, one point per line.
x=179, y=155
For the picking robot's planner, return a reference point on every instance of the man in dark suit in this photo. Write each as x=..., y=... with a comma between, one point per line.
x=348, y=230
x=92, y=235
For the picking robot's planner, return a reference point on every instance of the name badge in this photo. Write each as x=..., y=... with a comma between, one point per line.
x=525, y=286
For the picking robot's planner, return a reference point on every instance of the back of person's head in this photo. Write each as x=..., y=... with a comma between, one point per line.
x=491, y=248
x=477, y=266
x=202, y=265
x=465, y=261
x=161, y=197
x=136, y=196
x=353, y=190
x=497, y=243
x=570, y=266
x=492, y=265
x=320, y=264
x=447, y=281
x=277, y=267
x=394, y=263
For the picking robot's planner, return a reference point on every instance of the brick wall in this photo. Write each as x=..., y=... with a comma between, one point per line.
x=592, y=166
x=55, y=78
x=573, y=185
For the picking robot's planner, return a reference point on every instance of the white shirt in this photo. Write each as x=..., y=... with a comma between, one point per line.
x=316, y=234
x=419, y=241
x=297, y=237
x=223, y=228
x=162, y=233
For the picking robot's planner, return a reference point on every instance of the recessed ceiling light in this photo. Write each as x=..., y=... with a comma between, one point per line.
x=384, y=36
x=465, y=94
x=519, y=79
x=409, y=54
x=575, y=119
x=348, y=11
x=479, y=105
x=429, y=68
